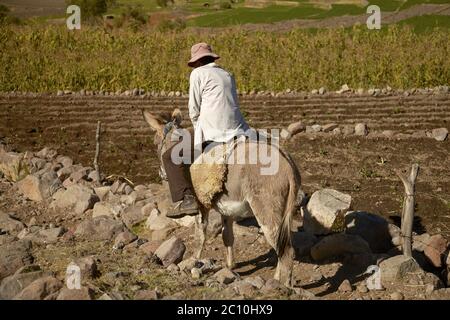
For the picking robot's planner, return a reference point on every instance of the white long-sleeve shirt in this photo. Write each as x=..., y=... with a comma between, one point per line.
x=214, y=105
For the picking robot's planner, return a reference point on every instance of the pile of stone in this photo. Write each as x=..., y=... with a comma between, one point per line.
x=113, y=210
x=344, y=90
x=108, y=212
x=331, y=230
x=361, y=130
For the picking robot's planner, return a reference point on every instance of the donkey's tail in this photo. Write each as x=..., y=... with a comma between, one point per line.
x=284, y=231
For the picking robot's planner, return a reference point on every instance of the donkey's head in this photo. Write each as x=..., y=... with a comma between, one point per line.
x=163, y=125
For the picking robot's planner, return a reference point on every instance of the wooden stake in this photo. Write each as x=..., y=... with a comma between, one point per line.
x=408, y=208
x=97, y=152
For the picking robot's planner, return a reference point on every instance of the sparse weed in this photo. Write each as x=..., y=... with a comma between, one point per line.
x=367, y=173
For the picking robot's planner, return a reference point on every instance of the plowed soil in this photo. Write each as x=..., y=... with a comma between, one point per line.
x=360, y=166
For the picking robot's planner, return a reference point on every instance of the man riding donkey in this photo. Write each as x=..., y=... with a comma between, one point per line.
x=235, y=190
x=216, y=117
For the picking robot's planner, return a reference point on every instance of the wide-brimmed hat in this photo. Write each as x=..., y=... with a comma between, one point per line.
x=200, y=50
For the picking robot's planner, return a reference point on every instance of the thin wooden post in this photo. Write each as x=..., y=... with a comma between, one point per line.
x=97, y=152
x=408, y=209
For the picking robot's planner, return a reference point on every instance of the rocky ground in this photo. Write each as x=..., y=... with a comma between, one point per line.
x=57, y=220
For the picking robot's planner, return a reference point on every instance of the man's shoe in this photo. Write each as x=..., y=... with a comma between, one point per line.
x=187, y=207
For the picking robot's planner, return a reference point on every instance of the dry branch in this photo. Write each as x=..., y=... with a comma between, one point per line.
x=97, y=152
x=408, y=208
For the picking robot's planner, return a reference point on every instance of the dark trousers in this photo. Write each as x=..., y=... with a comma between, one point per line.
x=178, y=174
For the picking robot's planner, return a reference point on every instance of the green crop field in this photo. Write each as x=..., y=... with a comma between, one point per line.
x=427, y=23
x=52, y=58
x=223, y=13
x=36, y=56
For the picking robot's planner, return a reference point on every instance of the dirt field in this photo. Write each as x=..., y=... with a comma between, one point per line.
x=360, y=166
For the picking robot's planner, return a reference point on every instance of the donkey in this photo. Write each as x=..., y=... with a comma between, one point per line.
x=272, y=199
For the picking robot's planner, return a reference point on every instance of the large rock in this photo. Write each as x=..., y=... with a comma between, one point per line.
x=163, y=202
x=395, y=269
x=64, y=173
x=337, y=245
x=40, y=289
x=157, y=221
x=86, y=265
x=186, y=221
x=14, y=166
x=124, y=238
x=420, y=242
x=76, y=198
x=99, y=228
x=65, y=161
x=435, y=250
x=104, y=208
x=226, y=276
x=303, y=242
x=372, y=228
x=45, y=236
x=79, y=175
x=150, y=247
x=325, y=211
x=361, y=129
x=13, y=256
x=171, y=251
x=295, y=128
x=47, y=153
x=14, y=284
x=37, y=164
x=439, y=134
x=133, y=215
x=161, y=235
x=39, y=186
x=114, y=295
x=147, y=295
x=329, y=127
x=102, y=192
x=255, y=281
x=10, y=224
x=75, y=294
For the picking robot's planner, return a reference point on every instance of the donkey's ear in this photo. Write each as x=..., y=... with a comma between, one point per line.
x=177, y=117
x=155, y=123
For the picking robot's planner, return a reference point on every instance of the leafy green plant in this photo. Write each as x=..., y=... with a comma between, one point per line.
x=367, y=173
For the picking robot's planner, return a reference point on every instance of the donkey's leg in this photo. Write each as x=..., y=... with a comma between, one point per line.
x=228, y=239
x=285, y=265
x=269, y=217
x=201, y=223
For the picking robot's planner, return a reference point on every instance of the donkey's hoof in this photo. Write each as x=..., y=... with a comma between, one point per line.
x=231, y=266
